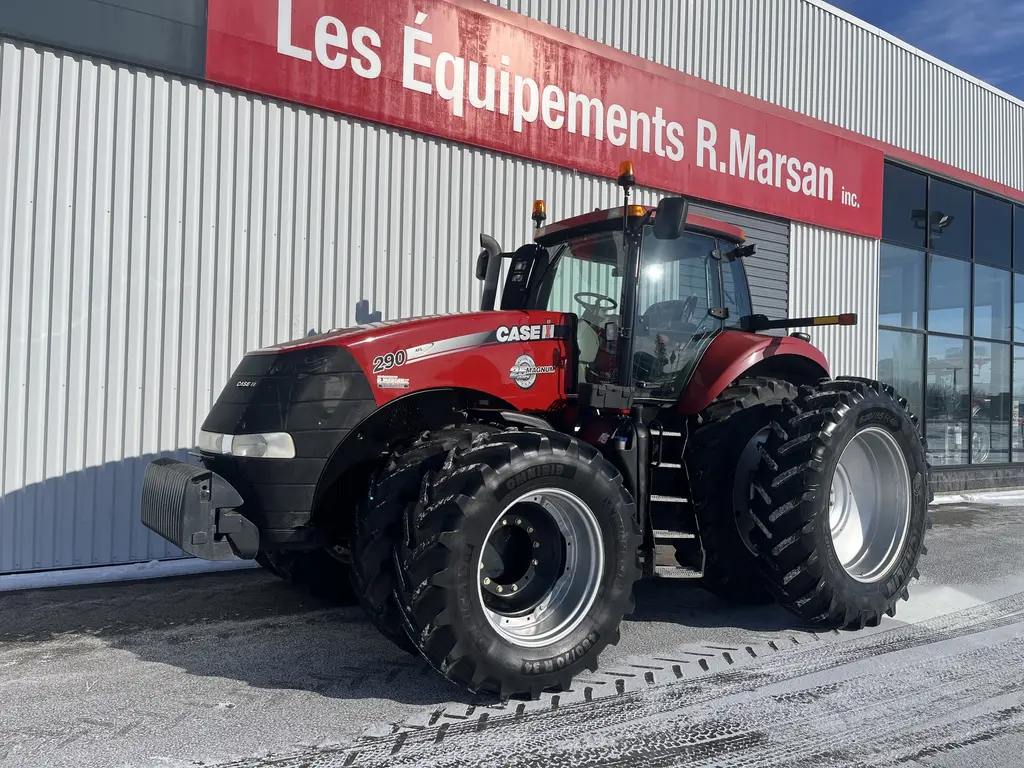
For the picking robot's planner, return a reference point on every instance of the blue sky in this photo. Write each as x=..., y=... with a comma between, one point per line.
x=982, y=37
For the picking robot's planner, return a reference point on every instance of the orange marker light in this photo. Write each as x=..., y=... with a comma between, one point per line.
x=636, y=210
x=540, y=213
x=627, y=174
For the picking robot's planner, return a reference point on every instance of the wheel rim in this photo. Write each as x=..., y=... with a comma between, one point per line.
x=540, y=568
x=869, y=505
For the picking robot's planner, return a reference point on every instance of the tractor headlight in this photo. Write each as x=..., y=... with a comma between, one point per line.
x=269, y=445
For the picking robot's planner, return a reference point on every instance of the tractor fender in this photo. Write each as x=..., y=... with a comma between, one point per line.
x=405, y=417
x=735, y=353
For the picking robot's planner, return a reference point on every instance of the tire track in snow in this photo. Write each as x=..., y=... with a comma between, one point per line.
x=570, y=729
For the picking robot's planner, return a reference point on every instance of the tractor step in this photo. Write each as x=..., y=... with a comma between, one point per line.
x=660, y=534
x=676, y=572
x=669, y=499
x=666, y=465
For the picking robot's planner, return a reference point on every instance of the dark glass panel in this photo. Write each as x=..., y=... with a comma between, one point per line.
x=947, y=400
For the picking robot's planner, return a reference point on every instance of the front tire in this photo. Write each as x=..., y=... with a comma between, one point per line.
x=378, y=523
x=519, y=562
x=841, y=503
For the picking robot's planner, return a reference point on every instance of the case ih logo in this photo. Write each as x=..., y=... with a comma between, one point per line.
x=525, y=333
x=524, y=373
x=472, y=73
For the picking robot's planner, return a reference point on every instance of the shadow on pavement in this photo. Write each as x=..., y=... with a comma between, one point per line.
x=252, y=627
x=685, y=603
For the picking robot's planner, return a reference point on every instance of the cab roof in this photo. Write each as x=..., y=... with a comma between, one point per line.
x=694, y=223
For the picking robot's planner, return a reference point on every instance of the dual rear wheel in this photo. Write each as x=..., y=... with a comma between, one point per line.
x=828, y=504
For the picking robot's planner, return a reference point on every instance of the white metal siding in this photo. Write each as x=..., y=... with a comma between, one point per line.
x=814, y=59
x=831, y=272
x=153, y=230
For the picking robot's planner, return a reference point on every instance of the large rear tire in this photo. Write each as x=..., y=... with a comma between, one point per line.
x=378, y=523
x=841, y=503
x=722, y=454
x=519, y=562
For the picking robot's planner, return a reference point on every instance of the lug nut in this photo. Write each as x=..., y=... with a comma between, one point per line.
x=499, y=589
x=529, y=530
x=504, y=522
x=536, y=562
x=519, y=521
x=536, y=545
x=515, y=588
x=487, y=581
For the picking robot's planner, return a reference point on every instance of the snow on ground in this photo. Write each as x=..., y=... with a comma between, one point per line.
x=154, y=569
x=237, y=668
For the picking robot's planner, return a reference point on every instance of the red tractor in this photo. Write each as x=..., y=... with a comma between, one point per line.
x=490, y=485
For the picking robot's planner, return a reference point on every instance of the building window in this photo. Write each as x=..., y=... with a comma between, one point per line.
x=951, y=315
x=900, y=358
x=993, y=225
x=904, y=205
x=1018, y=308
x=946, y=400
x=991, y=303
x=990, y=404
x=1016, y=417
x=1018, y=238
x=949, y=296
x=949, y=218
x=901, y=287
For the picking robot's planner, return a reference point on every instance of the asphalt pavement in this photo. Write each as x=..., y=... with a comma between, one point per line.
x=240, y=670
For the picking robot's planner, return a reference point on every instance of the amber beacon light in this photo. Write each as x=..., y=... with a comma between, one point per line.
x=540, y=212
x=627, y=175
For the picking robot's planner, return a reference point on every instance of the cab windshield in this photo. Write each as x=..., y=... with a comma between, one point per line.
x=681, y=281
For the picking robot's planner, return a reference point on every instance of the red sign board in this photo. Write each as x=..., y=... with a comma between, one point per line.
x=466, y=71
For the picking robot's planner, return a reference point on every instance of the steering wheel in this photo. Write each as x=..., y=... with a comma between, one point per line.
x=596, y=306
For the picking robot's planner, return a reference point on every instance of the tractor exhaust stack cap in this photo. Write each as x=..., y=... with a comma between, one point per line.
x=627, y=175
x=540, y=213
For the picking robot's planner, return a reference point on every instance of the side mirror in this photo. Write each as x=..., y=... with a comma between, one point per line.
x=670, y=218
x=364, y=315
x=491, y=250
x=488, y=267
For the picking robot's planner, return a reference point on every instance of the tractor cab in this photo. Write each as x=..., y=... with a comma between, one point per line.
x=684, y=290
x=651, y=288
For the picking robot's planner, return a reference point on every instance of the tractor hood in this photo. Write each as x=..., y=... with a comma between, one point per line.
x=360, y=333
x=520, y=356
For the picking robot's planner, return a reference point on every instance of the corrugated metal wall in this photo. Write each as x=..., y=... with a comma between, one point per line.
x=830, y=273
x=153, y=230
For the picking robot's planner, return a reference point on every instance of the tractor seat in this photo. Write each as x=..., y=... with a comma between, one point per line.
x=668, y=316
